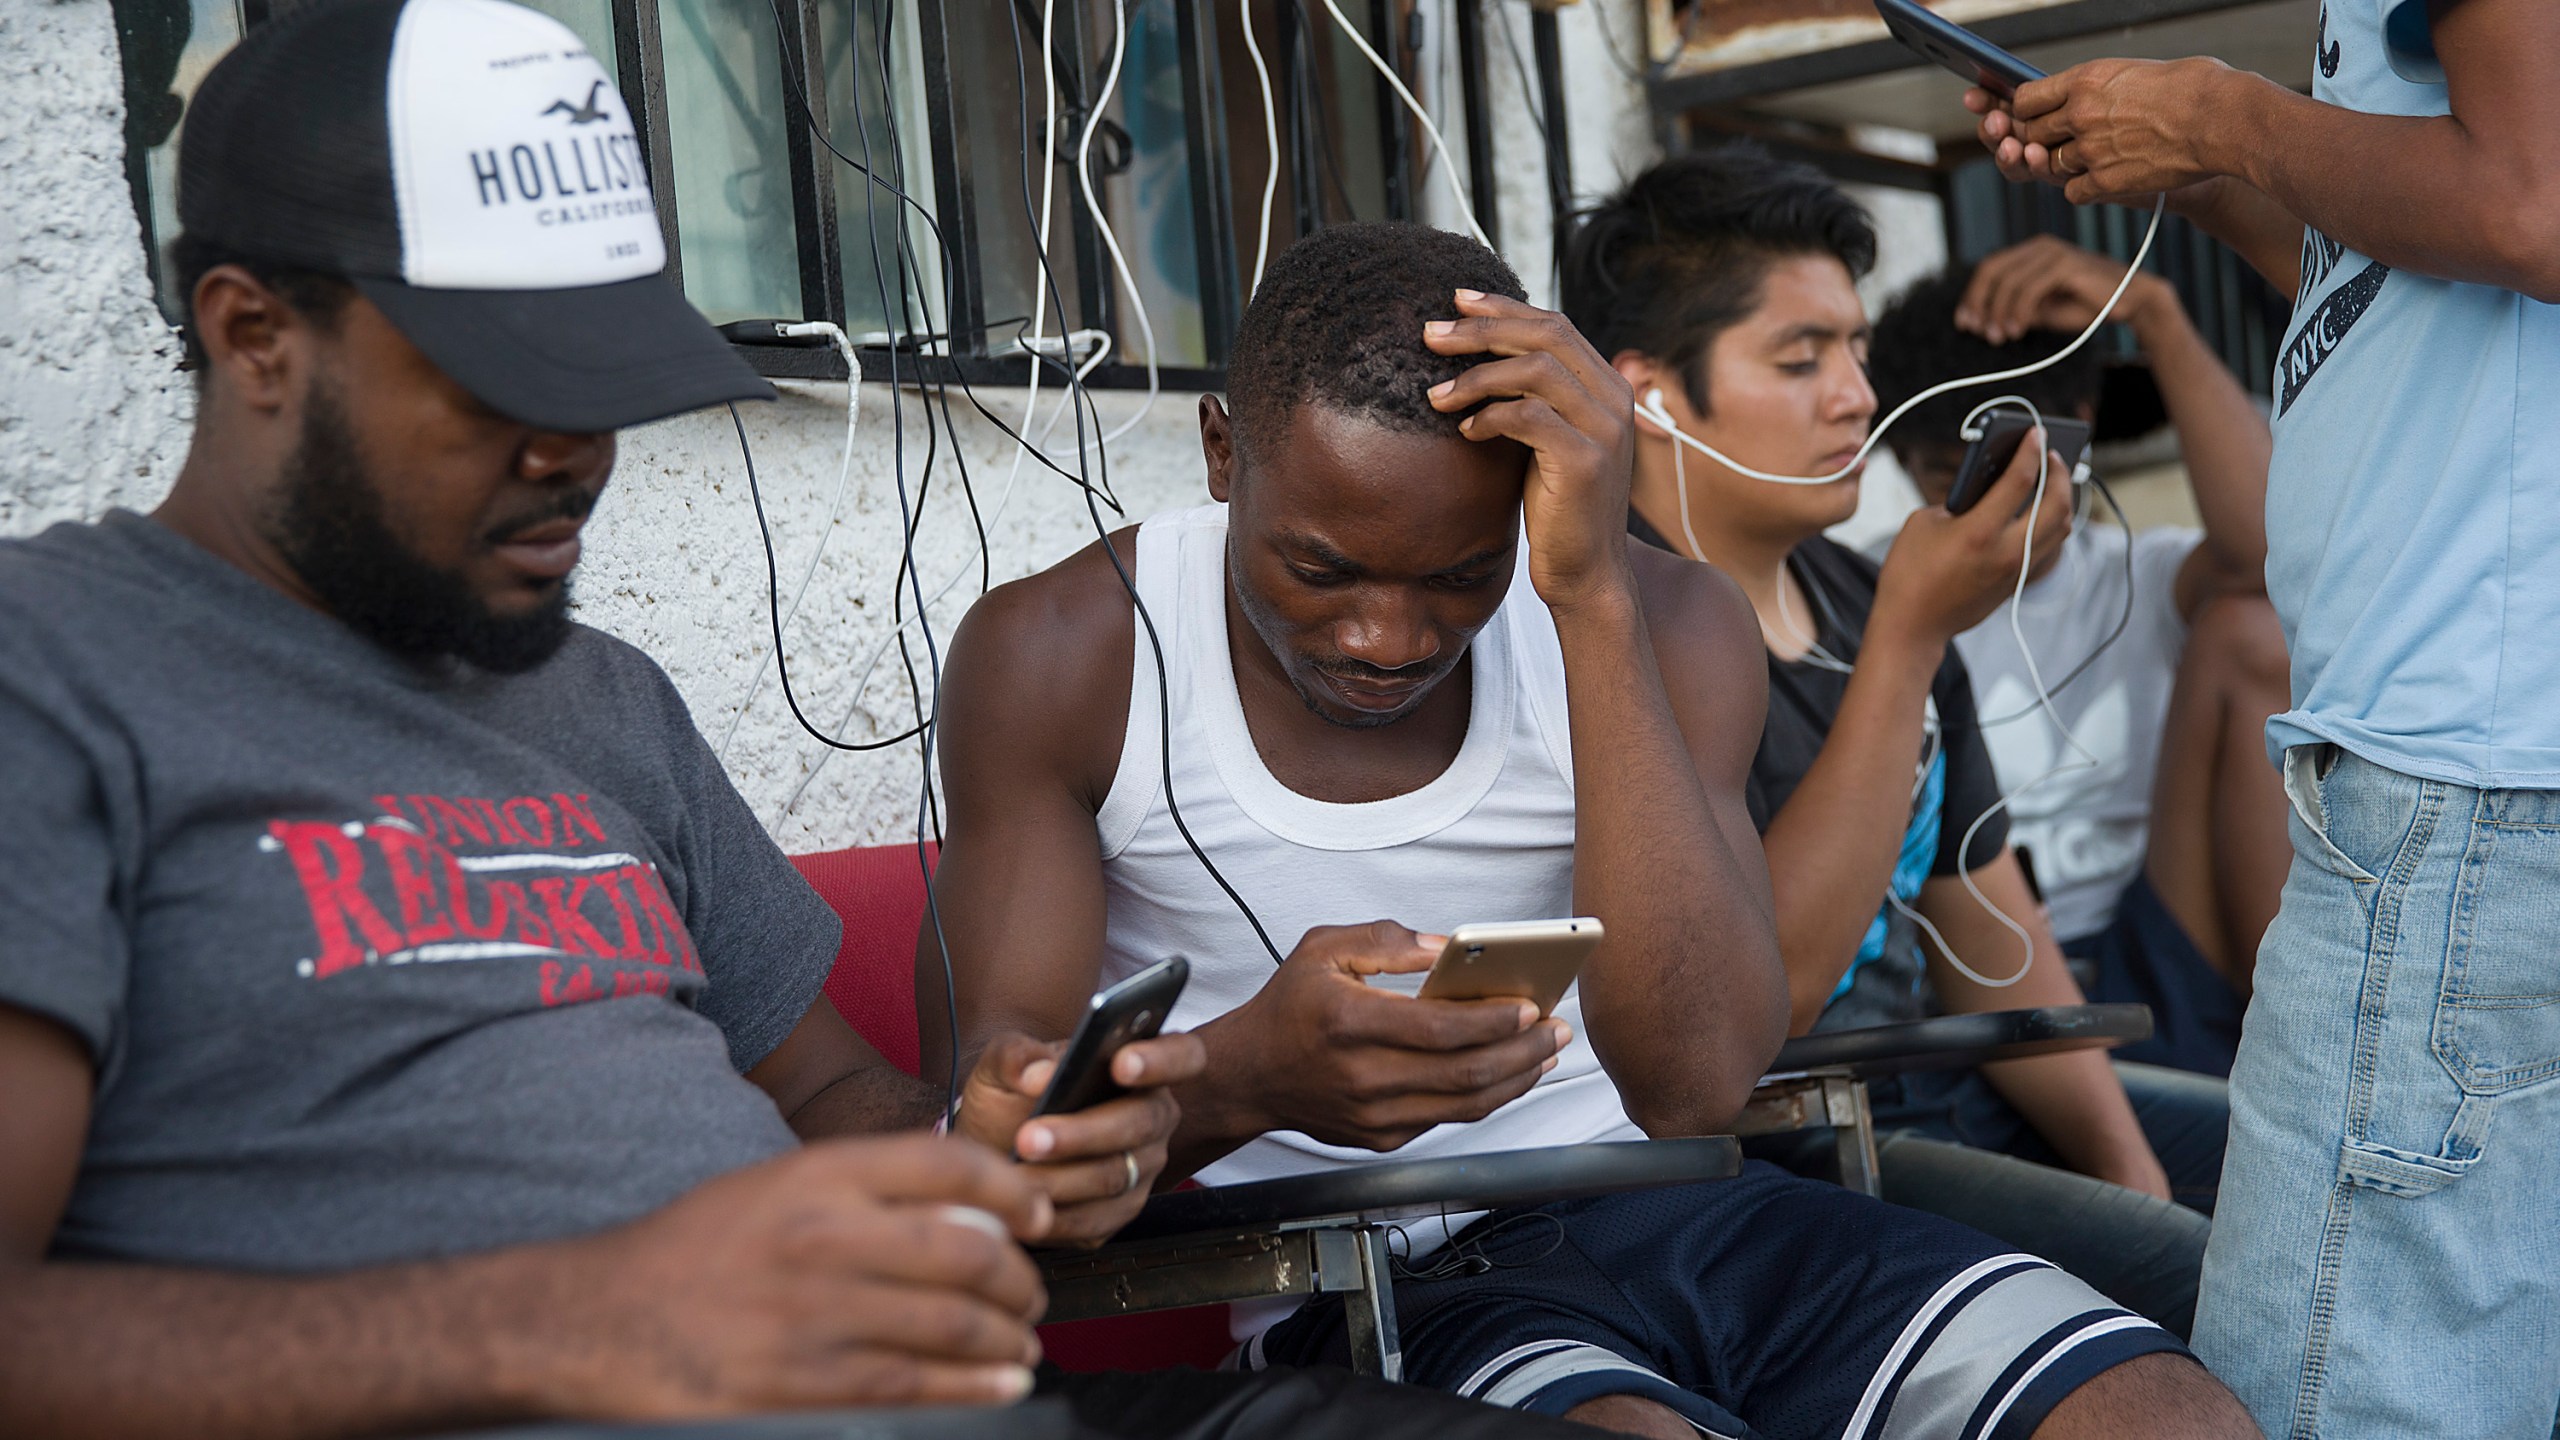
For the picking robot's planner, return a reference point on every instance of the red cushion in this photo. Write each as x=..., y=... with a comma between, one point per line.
x=880, y=893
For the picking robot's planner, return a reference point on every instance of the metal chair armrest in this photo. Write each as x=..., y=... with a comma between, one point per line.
x=1324, y=1232
x=1957, y=1042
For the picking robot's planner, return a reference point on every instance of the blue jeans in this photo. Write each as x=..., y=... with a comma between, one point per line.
x=2385, y=1260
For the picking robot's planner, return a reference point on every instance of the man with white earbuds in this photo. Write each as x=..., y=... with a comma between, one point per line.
x=1722, y=285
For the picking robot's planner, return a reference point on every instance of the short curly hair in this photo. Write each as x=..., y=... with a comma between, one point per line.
x=1338, y=323
x=1677, y=258
x=1917, y=345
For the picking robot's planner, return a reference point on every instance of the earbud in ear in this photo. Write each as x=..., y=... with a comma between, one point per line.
x=1653, y=398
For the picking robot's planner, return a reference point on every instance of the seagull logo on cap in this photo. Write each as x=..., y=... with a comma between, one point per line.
x=583, y=114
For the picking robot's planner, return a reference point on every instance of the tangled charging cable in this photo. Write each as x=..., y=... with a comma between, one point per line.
x=2044, y=698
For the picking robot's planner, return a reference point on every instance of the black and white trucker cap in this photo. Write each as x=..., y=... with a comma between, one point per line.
x=469, y=167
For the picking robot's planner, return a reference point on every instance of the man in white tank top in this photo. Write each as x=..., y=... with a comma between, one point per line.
x=1363, y=678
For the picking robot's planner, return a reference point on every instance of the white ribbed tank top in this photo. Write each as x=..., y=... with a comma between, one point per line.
x=1490, y=839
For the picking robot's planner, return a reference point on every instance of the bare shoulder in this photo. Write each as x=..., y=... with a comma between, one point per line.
x=1699, y=617
x=1715, y=670
x=1038, y=675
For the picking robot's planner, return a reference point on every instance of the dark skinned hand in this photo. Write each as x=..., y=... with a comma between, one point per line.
x=849, y=1273
x=1549, y=390
x=1076, y=1160
x=1947, y=573
x=2106, y=130
x=1322, y=1052
x=2046, y=283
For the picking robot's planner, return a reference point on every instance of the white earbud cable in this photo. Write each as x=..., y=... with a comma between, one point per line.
x=1651, y=408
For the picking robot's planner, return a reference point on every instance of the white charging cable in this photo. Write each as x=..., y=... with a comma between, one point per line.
x=1448, y=167
x=1651, y=407
x=1102, y=222
x=804, y=329
x=2044, y=697
x=1270, y=146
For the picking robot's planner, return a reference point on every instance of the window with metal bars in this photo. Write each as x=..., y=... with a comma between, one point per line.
x=878, y=163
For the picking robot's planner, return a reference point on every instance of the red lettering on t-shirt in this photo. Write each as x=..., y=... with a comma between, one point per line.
x=537, y=827
x=673, y=939
x=634, y=946
x=561, y=986
x=412, y=859
x=577, y=815
x=505, y=831
x=505, y=903
x=330, y=866
x=561, y=897
x=449, y=822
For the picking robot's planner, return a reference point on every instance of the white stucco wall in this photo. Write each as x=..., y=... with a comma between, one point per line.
x=93, y=414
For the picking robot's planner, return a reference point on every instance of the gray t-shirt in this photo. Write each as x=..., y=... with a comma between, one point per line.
x=376, y=960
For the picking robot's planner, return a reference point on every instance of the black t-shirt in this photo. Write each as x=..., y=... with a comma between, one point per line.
x=376, y=960
x=1885, y=982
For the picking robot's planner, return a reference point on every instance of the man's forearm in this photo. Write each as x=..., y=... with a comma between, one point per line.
x=877, y=1101
x=2260, y=231
x=2418, y=193
x=94, y=1350
x=1833, y=845
x=1678, y=1003
x=2221, y=435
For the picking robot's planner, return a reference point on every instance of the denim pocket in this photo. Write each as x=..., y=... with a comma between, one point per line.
x=2497, y=1021
x=2305, y=787
x=2399, y=1172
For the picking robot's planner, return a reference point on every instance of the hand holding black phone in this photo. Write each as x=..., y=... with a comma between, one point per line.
x=1133, y=1010
x=2002, y=433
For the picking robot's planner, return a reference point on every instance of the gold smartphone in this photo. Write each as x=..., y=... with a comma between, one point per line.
x=1534, y=960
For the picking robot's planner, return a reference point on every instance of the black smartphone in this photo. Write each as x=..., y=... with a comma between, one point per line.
x=1134, y=1009
x=1968, y=55
x=2002, y=433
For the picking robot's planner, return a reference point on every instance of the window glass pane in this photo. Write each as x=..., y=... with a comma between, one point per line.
x=1151, y=206
x=726, y=115
x=593, y=22
x=998, y=110
x=168, y=46
x=868, y=215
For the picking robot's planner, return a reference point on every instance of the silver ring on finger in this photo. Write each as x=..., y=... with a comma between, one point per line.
x=1129, y=1158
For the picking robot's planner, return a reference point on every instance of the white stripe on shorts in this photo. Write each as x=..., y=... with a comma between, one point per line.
x=1516, y=1376
x=2021, y=1301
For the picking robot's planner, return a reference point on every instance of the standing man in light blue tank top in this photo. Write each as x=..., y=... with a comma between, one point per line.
x=2386, y=1260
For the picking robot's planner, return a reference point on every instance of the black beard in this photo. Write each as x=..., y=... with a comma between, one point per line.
x=329, y=525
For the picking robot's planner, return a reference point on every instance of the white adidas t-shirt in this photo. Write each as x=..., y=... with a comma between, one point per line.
x=2085, y=829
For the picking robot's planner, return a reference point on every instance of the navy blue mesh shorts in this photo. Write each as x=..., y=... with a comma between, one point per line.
x=1763, y=1306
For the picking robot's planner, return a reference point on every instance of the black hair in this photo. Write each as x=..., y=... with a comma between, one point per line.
x=1917, y=345
x=315, y=295
x=1674, y=260
x=1338, y=323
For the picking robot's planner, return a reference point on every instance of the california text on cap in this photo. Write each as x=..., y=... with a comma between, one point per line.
x=467, y=164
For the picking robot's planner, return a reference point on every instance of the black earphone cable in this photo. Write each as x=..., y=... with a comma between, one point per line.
x=1155, y=641
x=2124, y=617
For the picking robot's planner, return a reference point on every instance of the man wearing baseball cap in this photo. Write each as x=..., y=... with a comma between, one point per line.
x=403, y=1023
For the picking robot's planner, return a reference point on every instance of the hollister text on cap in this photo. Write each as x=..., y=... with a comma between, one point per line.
x=470, y=166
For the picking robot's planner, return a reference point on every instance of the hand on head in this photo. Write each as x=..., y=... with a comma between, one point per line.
x=1546, y=388
x=1323, y=1052
x=1096, y=1166
x=2047, y=283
